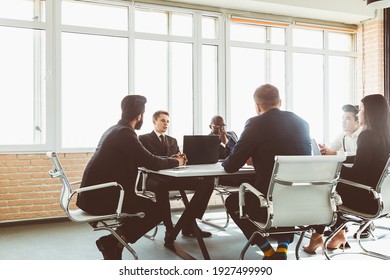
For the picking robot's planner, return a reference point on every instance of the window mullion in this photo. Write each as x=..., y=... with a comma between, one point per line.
x=197, y=73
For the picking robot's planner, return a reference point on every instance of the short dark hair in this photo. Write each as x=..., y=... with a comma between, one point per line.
x=132, y=106
x=158, y=113
x=348, y=108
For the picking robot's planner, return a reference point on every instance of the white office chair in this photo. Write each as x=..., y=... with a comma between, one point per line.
x=98, y=222
x=301, y=194
x=380, y=195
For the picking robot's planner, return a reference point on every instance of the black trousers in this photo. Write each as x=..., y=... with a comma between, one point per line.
x=134, y=228
x=255, y=212
x=161, y=185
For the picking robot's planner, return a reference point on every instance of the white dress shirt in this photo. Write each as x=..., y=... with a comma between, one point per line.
x=346, y=143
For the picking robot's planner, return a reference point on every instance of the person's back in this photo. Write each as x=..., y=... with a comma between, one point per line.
x=116, y=159
x=272, y=133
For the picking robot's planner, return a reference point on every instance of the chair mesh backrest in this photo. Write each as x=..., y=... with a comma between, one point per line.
x=301, y=190
x=66, y=186
x=383, y=188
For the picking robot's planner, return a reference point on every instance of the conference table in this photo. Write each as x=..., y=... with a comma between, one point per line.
x=195, y=171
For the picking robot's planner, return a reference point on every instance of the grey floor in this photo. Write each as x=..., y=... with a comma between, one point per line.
x=69, y=241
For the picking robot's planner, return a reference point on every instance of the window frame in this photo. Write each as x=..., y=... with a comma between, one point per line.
x=53, y=28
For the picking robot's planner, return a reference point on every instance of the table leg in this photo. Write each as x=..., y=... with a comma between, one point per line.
x=186, y=216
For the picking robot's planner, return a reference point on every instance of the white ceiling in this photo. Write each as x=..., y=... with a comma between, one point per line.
x=345, y=11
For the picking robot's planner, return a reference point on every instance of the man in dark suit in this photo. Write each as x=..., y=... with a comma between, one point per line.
x=159, y=143
x=228, y=138
x=273, y=132
x=228, y=141
x=116, y=159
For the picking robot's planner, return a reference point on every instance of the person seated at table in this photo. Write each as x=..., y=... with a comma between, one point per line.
x=228, y=141
x=272, y=132
x=159, y=143
x=116, y=159
x=346, y=141
x=228, y=138
x=372, y=153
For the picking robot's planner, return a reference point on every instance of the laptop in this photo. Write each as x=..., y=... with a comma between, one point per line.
x=315, y=148
x=201, y=149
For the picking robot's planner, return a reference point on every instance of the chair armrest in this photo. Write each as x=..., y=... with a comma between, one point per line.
x=102, y=186
x=241, y=197
x=361, y=186
x=99, y=186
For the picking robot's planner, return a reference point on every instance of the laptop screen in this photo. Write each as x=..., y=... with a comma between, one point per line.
x=201, y=149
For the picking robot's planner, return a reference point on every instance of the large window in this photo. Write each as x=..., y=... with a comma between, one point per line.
x=314, y=72
x=23, y=75
x=66, y=65
x=253, y=62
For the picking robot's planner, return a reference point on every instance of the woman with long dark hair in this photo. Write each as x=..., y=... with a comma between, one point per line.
x=373, y=149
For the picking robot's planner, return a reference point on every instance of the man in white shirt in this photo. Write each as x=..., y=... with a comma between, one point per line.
x=346, y=141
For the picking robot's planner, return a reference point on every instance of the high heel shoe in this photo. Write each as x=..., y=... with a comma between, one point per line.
x=338, y=241
x=316, y=241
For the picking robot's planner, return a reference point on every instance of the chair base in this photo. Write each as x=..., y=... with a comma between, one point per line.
x=364, y=251
x=111, y=229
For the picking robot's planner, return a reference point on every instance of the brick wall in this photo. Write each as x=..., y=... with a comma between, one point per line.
x=370, y=61
x=27, y=191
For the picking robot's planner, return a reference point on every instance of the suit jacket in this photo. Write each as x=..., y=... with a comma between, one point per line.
x=153, y=144
x=272, y=133
x=369, y=161
x=367, y=168
x=224, y=151
x=116, y=159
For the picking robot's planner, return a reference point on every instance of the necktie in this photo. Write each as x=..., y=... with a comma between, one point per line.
x=164, y=143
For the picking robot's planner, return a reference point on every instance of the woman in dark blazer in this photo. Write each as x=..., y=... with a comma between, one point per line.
x=373, y=148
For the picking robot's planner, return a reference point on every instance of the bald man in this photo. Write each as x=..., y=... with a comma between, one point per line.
x=272, y=132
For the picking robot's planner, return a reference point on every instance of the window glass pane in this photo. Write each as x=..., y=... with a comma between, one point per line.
x=308, y=38
x=277, y=36
x=340, y=41
x=22, y=98
x=209, y=86
x=308, y=91
x=182, y=85
x=277, y=72
x=247, y=33
x=209, y=27
x=93, y=86
x=181, y=25
x=151, y=78
x=340, y=92
x=94, y=15
x=247, y=73
x=22, y=9
x=151, y=22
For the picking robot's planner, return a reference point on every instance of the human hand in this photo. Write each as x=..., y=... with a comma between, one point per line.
x=182, y=158
x=325, y=151
x=223, y=136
